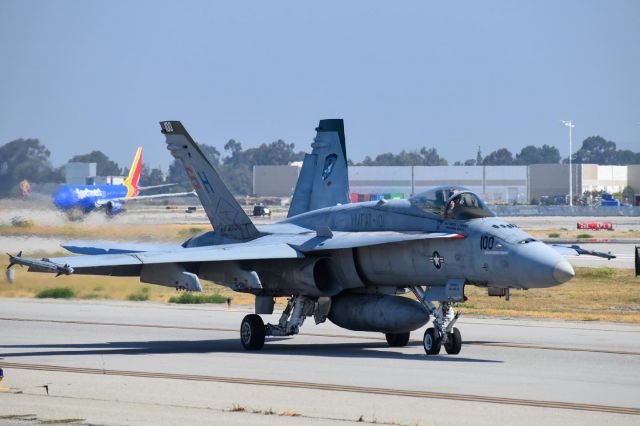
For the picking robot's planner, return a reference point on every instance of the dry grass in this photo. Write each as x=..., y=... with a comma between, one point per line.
x=573, y=233
x=596, y=294
x=289, y=413
x=30, y=284
x=124, y=232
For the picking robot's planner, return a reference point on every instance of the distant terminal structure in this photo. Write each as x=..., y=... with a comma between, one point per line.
x=85, y=174
x=79, y=173
x=496, y=184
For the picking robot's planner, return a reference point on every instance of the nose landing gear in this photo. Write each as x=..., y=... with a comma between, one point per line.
x=443, y=332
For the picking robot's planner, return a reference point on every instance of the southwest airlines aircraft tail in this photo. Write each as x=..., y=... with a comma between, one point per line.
x=78, y=200
x=131, y=182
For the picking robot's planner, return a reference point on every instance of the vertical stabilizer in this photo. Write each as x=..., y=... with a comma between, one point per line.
x=323, y=179
x=225, y=214
x=131, y=182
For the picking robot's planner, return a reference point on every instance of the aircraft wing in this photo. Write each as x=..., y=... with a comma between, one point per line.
x=575, y=250
x=130, y=264
x=111, y=247
x=164, y=185
x=102, y=202
x=343, y=240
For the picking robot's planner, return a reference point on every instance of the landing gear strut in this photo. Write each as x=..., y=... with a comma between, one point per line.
x=443, y=332
x=253, y=330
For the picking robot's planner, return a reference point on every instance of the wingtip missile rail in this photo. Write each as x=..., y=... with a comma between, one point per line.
x=43, y=265
x=580, y=250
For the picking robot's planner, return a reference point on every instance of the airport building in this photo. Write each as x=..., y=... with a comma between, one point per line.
x=79, y=173
x=85, y=174
x=496, y=184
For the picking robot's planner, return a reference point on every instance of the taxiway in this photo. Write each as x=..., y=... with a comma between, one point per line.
x=151, y=363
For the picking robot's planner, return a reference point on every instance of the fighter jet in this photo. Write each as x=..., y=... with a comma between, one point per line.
x=351, y=263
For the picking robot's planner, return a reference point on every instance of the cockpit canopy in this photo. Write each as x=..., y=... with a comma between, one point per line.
x=451, y=202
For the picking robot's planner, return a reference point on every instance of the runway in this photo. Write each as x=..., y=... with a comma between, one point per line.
x=147, y=363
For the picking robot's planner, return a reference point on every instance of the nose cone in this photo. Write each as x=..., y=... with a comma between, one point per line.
x=63, y=198
x=563, y=272
x=540, y=266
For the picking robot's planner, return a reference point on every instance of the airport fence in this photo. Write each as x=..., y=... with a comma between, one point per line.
x=504, y=210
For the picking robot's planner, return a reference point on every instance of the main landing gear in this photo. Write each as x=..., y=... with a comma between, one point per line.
x=253, y=330
x=443, y=332
x=397, y=340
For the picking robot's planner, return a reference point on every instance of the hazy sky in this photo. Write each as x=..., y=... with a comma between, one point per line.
x=85, y=75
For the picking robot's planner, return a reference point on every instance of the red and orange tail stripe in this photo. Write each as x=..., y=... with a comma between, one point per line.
x=131, y=182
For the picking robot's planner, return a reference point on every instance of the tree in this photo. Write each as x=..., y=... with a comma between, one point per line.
x=499, y=157
x=151, y=177
x=534, y=155
x=237, y=168
x=479, y=159
x=234, y=148
x=431, y=157
x=628, y=195
x=424, y=157
x=625, y=157
x=276, y=153
x=25, y=159
x=239, y=178
x=596, y=149
x=104, y=166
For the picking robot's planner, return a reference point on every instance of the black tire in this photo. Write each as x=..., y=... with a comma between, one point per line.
x=396, y=340
x=432, y=341
x=454, y=342
x=252, y=332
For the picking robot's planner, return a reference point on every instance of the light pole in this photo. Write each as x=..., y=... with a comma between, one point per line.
x=570, y=125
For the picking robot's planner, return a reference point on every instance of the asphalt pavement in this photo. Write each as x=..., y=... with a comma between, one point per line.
x=151, y=363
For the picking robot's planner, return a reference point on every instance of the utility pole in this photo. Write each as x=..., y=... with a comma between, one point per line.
x=570, y=125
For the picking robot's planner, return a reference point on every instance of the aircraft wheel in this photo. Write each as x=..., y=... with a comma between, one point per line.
x=432, y=341
x=252, y=332
x=75, y=214
x=396, y=340
x=454, y=342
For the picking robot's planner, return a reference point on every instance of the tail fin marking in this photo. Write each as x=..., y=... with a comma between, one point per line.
x=323, y=179
x=131, y=182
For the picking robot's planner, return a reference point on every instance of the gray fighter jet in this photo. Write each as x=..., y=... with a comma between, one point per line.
x=348, y=262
